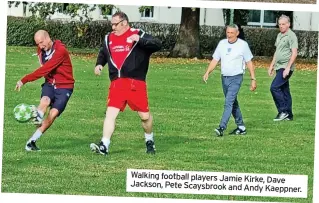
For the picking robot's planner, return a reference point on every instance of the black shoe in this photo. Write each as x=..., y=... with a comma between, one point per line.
x=238, y=131
x=31, y=146
x=281, y=116
x=100, y=149
x=150, y=147
x=219, y=131
x=289, y=118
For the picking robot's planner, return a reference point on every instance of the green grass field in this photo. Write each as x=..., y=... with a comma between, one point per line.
x=185, y=112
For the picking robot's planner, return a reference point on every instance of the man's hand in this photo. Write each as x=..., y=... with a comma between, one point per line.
x=205, y=77
x=253, y=85
x=98, y=69
x=18, y=86
x=134, y=37
x=271, y=71
x=286, y=72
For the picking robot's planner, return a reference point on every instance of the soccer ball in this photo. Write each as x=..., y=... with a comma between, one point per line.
x=23, y=112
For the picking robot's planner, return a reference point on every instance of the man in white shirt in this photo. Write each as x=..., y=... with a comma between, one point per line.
x=234, y=55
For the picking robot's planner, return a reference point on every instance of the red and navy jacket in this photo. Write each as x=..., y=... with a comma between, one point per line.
x=136, y=63
x=56, y=67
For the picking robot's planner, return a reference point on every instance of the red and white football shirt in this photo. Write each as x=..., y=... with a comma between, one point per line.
x=120, y=46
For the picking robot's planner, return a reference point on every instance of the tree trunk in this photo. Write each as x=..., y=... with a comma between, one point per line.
x=187, y=43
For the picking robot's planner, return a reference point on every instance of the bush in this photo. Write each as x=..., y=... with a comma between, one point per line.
x=20, y=30
x=91, y=35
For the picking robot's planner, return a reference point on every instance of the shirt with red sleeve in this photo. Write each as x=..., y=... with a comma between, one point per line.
x=56, y=67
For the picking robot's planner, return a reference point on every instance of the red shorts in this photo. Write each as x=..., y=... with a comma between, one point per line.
x=124, y=91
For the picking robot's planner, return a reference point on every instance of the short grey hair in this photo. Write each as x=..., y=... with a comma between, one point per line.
x=284, y=17
x=121, y=15
x=233, y=26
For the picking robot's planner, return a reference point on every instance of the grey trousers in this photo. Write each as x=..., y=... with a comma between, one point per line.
x=231, y=86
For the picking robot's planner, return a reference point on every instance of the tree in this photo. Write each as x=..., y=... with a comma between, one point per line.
x=80, y=11
x=239, y=16
x=187, y=43
x=144, y=8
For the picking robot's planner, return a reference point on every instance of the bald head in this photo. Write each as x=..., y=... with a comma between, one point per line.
x=43, y=40
x=41, y=33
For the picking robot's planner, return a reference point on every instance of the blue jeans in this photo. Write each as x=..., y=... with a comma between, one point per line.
x=231, y=86
x=280, y=92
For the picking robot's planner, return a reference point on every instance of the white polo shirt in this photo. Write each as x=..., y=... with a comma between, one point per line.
x=233, y=56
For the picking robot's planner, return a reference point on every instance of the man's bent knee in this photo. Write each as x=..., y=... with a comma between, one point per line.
x=53, y=113
x=145, y=116
x=45, y=100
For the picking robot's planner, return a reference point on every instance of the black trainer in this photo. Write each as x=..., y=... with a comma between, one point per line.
x=31, y=146
x=150, y=147
x=219, y=131
x=100, y=149
x=281, y=116
x=238, y=131
x=289, y=118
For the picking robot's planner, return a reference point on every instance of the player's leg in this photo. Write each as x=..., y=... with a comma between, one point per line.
x=108, y=129
x=232, y=84
x=288, y=98
x=220, y=131
x=47, y=122
x=116, y=103
x=236, y=112
x=278, y=95
x=61, y=98
x=241, y=129
x=138, y=101
x=47, y=95
x=147, y=124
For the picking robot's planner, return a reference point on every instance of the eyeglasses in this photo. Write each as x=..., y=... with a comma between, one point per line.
x=116, y=24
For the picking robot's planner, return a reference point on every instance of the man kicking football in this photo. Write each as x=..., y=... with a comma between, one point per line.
x=56, y=68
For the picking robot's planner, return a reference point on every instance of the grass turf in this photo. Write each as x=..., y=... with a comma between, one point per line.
x=185, y=113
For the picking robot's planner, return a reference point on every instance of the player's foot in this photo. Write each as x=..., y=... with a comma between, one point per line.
x=219, y=131
x=37, y=120
x=150, y=147
x=289, y=118
x=31, y=146
x=238, y=131
x=281, y=116
x=100, y=148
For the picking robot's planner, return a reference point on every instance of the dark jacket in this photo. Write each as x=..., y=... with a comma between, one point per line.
x=136, y=63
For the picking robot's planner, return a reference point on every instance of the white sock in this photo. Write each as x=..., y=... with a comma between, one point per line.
x=106, y=142
x=41, y=114
x=242, y=127
x=35, y=136
x=149, y=137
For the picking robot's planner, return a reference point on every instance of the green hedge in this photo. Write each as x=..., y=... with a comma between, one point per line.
x=91, y=35
x=20, y=32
